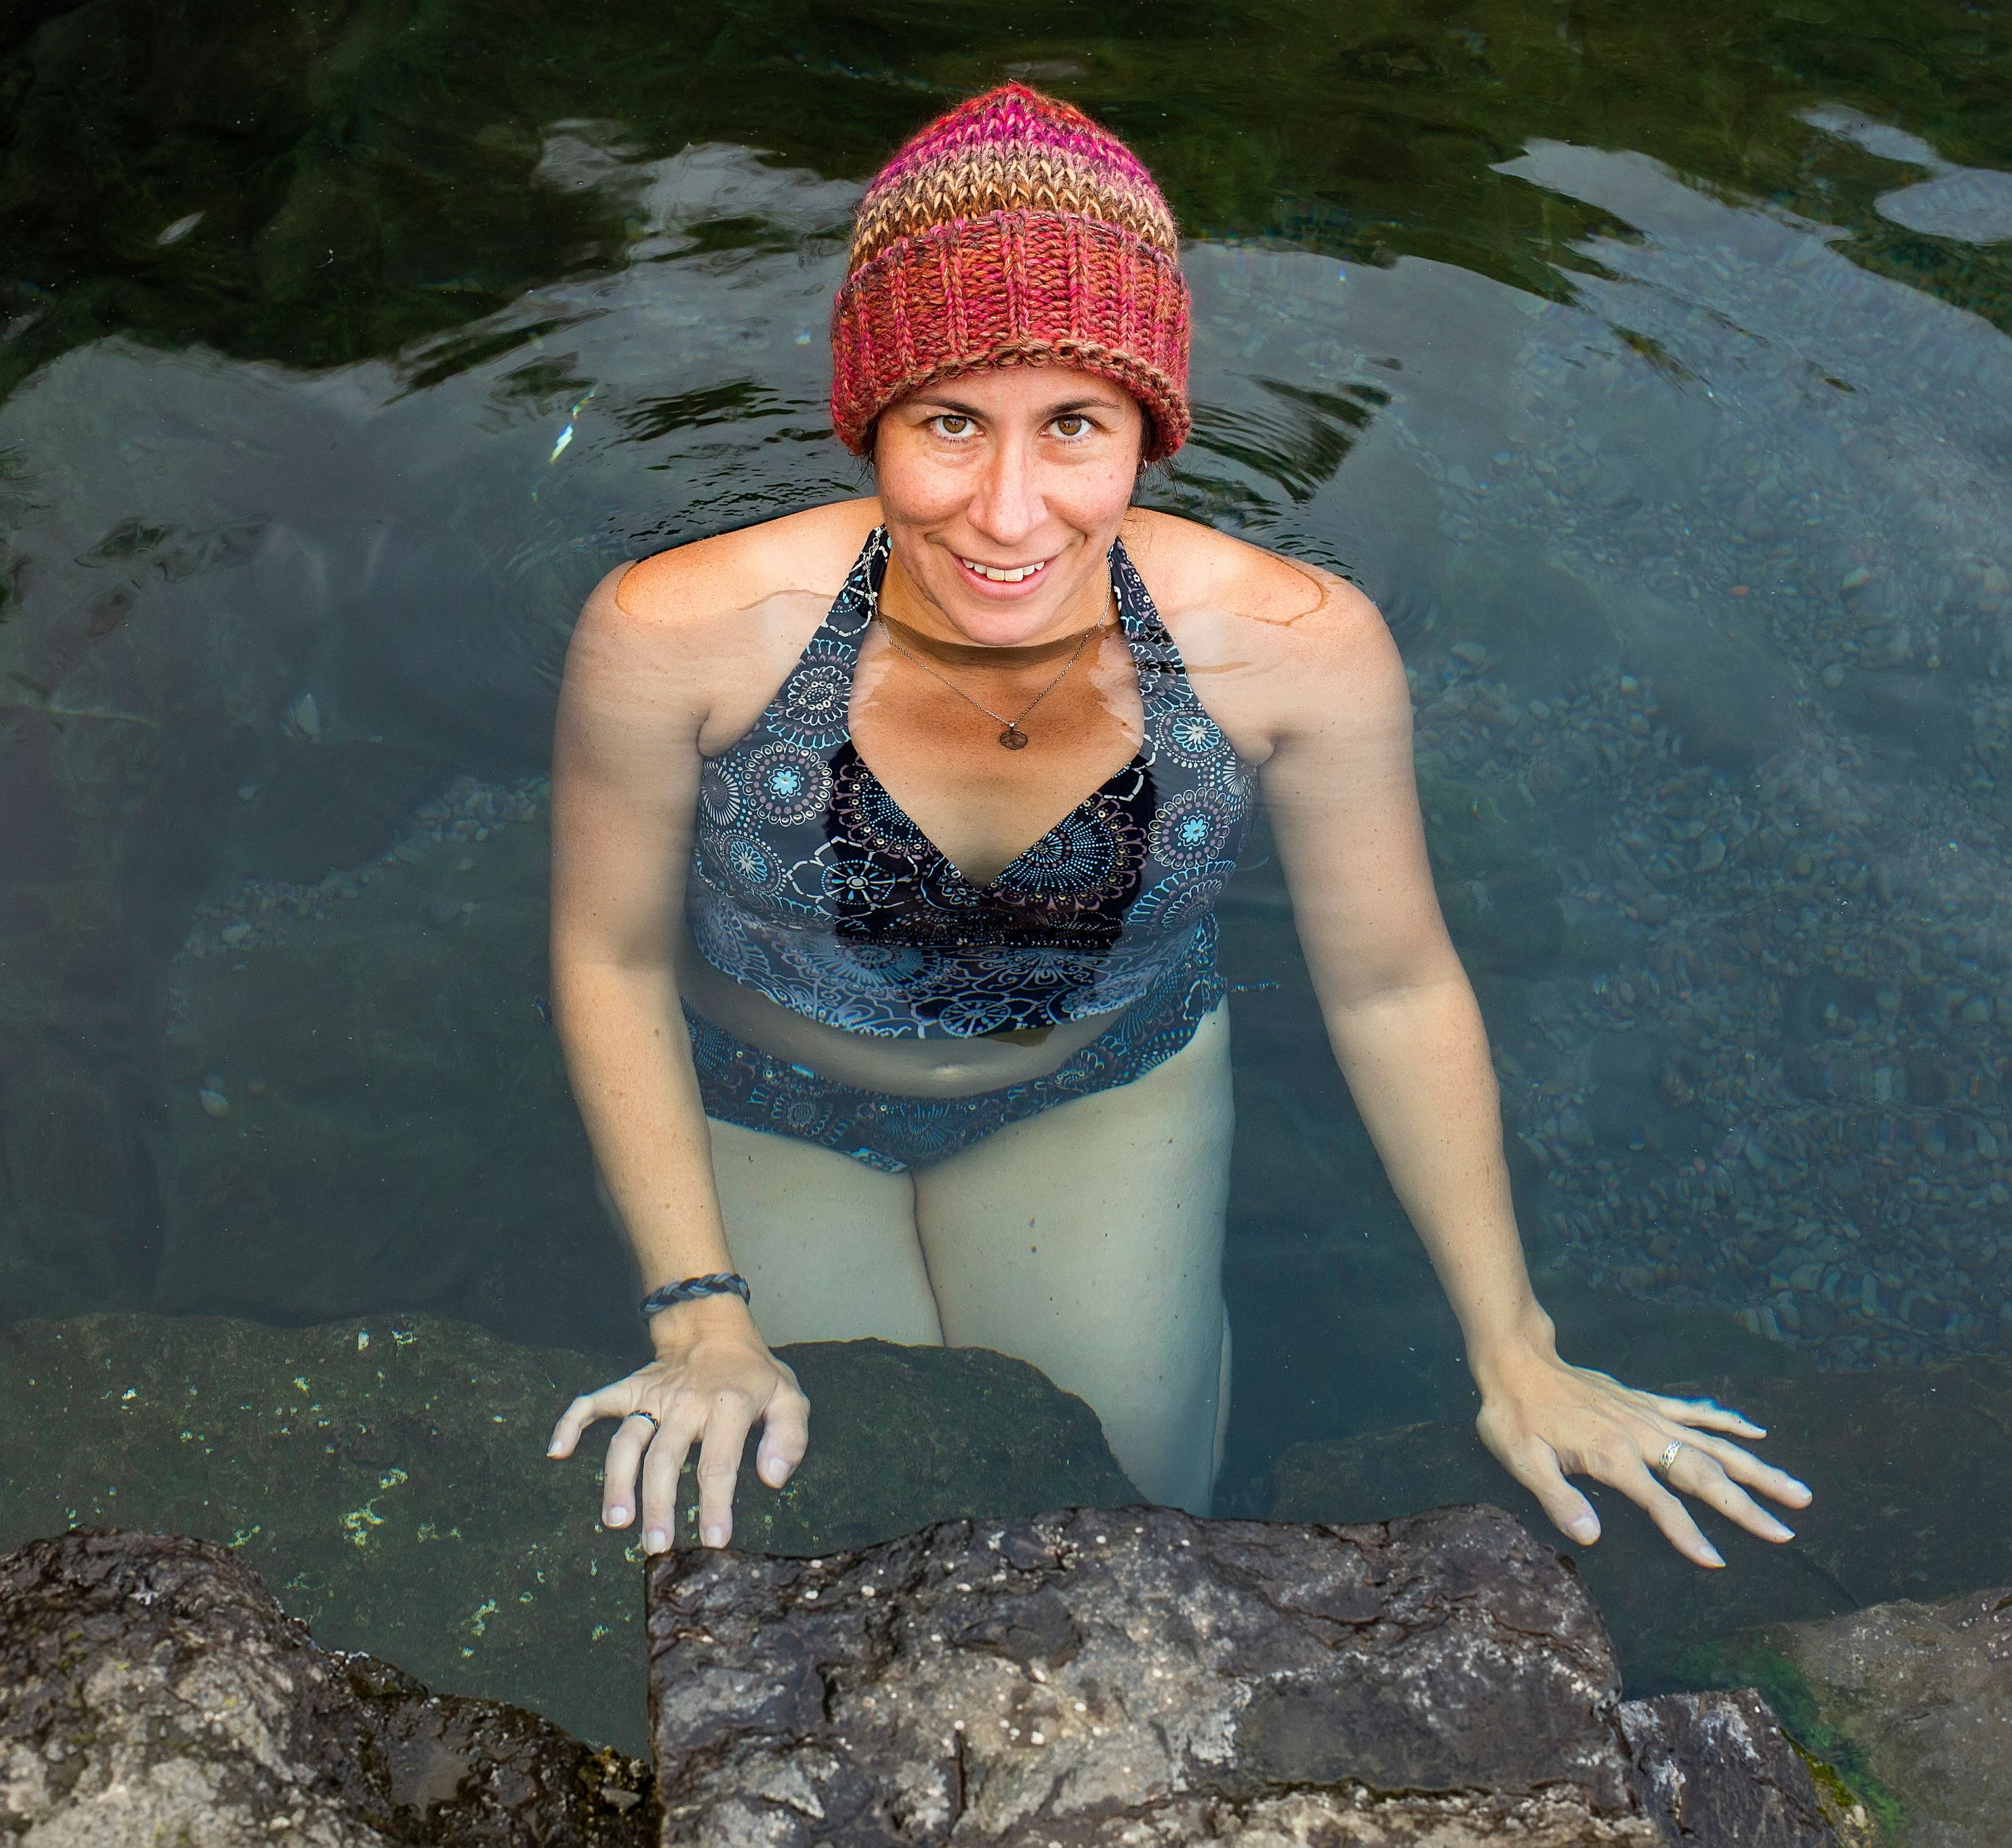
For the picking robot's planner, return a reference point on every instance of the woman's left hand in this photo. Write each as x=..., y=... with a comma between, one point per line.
x=1545, y=1420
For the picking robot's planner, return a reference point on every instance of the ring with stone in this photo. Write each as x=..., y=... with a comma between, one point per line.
x=639, y=1413
x=1669, y=1455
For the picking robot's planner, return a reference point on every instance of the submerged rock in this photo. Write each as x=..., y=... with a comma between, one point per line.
x=1140, y=1677
x=1912, y=1701
x=412, y=1087
x=156, y=1692
x=388, y=1479
x=1911, y=1472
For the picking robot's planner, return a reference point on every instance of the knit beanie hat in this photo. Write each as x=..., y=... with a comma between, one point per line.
x=1012, y=230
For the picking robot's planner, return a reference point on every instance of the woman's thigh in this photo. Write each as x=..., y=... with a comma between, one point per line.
x=1088, y=1240
x=827, y=1244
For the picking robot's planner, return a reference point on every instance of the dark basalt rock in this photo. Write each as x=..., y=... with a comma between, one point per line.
x=153, y=1691
x=1715, y=1768
x=1140, y=1677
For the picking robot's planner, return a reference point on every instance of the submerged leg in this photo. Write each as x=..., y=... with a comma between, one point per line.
x=827, y=1244
x=1088, y=1240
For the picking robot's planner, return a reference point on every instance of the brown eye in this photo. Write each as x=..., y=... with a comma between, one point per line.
x=950, y=424
x=1072, y=425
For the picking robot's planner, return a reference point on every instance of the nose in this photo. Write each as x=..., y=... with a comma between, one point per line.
x=1006, y=505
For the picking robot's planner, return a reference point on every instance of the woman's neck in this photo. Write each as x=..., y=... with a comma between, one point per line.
x=964, y=654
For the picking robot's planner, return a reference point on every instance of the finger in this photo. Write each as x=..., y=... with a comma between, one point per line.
x=1634, y=1481
x=1748, y=1469
x=1696, y=1473
x=785, y=1434
x=1706, y=1415
x=1537, y=1469
x=719, y=1464
x=609, y=1402
x=662, y=1468
x=625, y=1455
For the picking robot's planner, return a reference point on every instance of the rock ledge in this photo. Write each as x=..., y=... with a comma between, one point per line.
x=1134, y=1677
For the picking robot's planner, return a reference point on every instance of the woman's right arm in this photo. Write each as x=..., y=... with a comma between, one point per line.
x=626, y=769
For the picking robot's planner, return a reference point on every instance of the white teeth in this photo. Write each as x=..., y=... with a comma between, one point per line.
x=1002, y=577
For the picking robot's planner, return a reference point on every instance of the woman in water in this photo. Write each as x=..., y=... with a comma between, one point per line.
x=868, y=1042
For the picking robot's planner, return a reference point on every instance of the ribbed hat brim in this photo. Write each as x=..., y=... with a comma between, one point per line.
x=1019, y=288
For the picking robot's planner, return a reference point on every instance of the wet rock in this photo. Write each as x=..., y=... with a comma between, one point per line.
x=156, y=1693
x=1912, y=1701
x=389, y=1477
x=1142, y=1677
x=1713, y=1769
x=1909, y=1466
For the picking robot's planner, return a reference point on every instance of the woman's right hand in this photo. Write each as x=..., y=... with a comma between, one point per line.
x=713, y=1379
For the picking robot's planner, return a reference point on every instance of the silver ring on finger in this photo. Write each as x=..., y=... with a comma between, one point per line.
x=1669, y=1455
x=639, y=1413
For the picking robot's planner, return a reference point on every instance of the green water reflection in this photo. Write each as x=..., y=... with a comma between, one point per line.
x=1649, y=367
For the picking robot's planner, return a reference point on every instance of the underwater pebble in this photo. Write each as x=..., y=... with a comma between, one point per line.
x=210, y=1094
x=261, y=910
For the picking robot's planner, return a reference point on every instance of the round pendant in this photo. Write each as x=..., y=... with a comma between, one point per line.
x=1013, y=738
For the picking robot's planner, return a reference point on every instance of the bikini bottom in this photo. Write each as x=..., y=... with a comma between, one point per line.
x=742, y=1084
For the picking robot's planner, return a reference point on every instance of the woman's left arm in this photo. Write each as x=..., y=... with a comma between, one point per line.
x=1407, y=1033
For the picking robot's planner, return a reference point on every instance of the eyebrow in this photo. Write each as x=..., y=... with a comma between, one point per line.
x=1063, y=409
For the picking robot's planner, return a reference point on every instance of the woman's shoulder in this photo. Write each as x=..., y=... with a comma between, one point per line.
x=806, y=552
x=1197, y=573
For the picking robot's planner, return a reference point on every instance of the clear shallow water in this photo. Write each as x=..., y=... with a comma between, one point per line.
x=1651, y=374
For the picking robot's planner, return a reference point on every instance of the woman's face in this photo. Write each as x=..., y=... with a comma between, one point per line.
x=1002, y=491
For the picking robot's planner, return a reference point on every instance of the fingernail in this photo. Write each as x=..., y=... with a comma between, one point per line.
x=1584, y=1530
x=655, y=1541
x=1783, y=1531
x=615, y=1516
x=715, y=1535
x=1712, y=1556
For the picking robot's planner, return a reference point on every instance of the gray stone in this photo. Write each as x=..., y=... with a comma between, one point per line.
x=155, y=1693
x=1913, y=1701
x=1141, y=1677
x=1714, y=1767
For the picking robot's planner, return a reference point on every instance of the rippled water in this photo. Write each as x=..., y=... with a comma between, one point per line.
x=1651, y=372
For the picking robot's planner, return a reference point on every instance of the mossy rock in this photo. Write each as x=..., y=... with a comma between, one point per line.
x=1838, y=1764
x=388, y=1477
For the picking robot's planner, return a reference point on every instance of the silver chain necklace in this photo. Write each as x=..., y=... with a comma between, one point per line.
x=1012, y=738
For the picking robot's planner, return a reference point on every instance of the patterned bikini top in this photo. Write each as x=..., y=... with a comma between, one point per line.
x=810, y=884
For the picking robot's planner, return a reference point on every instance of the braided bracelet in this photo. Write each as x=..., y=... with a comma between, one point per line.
x=719, y=1283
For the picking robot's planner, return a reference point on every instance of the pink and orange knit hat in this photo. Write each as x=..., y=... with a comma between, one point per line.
x=1012, y=231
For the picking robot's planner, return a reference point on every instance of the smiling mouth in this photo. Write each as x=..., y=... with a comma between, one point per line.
x=1003, y=574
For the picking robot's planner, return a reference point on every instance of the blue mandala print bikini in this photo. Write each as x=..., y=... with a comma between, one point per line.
x=810, y=884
